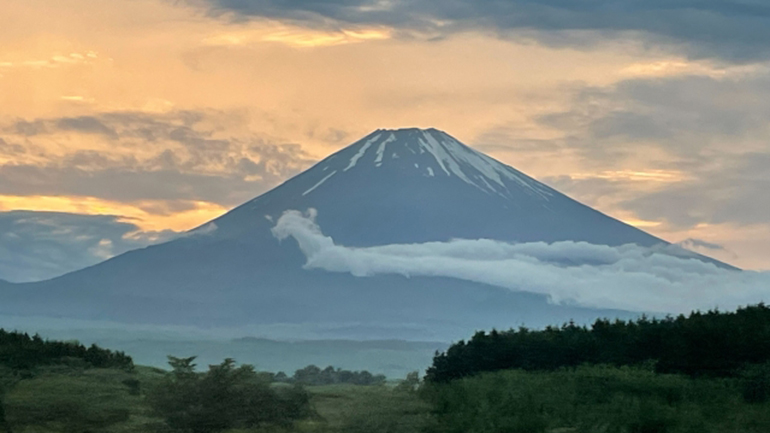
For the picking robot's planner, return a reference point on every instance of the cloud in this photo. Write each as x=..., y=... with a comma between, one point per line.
x=85, y=124
x=684, y=114
x=40, y=245
x=182, y=156
x=692, y=244
x=732, y=189
x=698, y=141
x=729, y=29
x=56, y=61
x=629, y=277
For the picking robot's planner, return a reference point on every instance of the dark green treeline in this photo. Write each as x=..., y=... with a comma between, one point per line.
x=710, y=344
x=19, y=351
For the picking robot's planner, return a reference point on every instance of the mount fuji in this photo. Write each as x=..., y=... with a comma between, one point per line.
x=391, y=187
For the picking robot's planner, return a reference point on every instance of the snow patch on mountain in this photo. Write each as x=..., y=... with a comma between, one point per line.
x=319, y=183
x=361, y=152
x=381, y=149
x=448, y=158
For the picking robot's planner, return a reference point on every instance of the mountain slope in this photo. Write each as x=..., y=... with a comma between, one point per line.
x=417, y=185
x=393, y=186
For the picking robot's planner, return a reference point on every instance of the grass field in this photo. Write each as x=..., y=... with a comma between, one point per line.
x=69, y=400
x=346, y=408
x=582, y=400
x=65, y=400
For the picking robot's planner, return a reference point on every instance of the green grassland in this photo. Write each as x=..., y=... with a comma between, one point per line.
x=580, y=400
x=66, y=399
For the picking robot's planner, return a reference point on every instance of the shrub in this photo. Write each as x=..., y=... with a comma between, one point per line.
x=755, y=383
x=225, y=397
x=410, y=383
x=312, y=375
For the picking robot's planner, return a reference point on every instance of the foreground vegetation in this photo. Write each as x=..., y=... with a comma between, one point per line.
x=50, y=386
x=614, y=377
x=585, y=399
x=597, y=399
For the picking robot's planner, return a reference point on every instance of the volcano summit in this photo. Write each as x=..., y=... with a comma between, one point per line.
x=402, y=186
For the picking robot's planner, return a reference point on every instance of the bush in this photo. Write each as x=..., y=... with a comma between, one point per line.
x=312, y=375
x=755, y=383
x=488, y=403
x=592, y=399
x=410, y=383
x=225, y=397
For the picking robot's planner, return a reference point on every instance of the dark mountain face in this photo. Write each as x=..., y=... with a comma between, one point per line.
x=393, y=186
x=415, y=185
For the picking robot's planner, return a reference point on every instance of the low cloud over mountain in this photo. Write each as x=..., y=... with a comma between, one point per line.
x=628, y=277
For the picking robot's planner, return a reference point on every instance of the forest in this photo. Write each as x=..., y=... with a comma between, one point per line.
x=706, y=372
x=714, y=343
x=19, y=351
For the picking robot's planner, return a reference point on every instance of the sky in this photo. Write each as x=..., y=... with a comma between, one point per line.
x=126, y=122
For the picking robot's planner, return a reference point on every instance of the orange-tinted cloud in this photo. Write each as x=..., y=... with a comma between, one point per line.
x=146, y=215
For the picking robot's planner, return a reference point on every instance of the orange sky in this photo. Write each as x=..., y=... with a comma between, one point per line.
x=280, y=96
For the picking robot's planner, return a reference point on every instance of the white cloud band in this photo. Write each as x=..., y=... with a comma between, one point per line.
x=628, y=277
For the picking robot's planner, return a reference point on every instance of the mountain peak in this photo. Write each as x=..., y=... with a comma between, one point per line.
x=430, y=153
x=407, y=130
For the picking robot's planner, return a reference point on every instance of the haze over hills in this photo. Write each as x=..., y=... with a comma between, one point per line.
x=393, y=186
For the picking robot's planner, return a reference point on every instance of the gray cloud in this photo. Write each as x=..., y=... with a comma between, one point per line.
x=627, y=277
x=733, y=192
x=10, y=148
x=730, y=29
x=181, y=156
x=41, y=245
x=25, y=128
x=714, y=131
x=591, y=190
x=85, y=124
x=692, y=243
x=126, y=184
x=683, y=115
